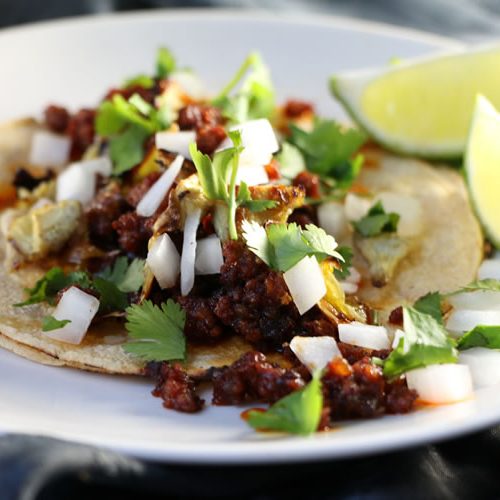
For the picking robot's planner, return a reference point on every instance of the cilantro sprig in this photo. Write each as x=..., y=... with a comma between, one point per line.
x=376, y=222
x=297, y=413
x=347, y=255
x=50, y=323
x=255, y=97
x=111, y=286
x=329, y=151
x=426, y=342
x=281, y=246
x=480, y=336
x=218, y=180
x=156, y=333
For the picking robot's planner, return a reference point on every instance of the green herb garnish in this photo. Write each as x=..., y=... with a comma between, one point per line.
x=425, y=342
x=291, y=161
x=281, y=246
x=165, y=63
x=297, y=413
x=255, y=97
x=50, y=323
x=430, y=304
x=347, y=254
x=376, y=222
x=480, y=336
x=127, y=277
x=156, y=333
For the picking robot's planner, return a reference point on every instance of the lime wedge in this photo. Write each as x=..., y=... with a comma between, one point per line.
x=422, y=107
x=482, y=167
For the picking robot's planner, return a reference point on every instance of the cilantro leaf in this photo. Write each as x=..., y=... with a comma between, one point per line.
x=255, y=97
x=376, y=222
x=281, y=246
x=127, y=277
x=143, y=81
x=347, y=254
x=47, y=288
x=291, y=161
x=297, y=413
x=430, y=304
x=50, y=323
x=425, y=342
x=165, y=63
x=111, y=298
x=328, y=150
x=126, y=150
x=156, y=333
x=480, y=336
x=244, y=199
x=486, y=284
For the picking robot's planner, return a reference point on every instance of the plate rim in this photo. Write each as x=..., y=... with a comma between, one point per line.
x=282, y=451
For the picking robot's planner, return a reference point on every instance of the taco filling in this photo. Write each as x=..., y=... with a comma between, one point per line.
x=278, y=255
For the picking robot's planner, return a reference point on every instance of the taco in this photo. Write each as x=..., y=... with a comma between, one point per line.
x=170, y=235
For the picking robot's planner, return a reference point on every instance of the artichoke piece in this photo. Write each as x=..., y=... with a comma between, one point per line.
x=383, y=254
x=45, y=229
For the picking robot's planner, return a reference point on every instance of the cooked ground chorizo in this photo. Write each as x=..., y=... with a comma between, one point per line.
x=208, y=138
x=201, y=322
x=195, y=116
x=147, y=94
x=134, y=232
x=294, y=108
x=304, y=215
x=310, y=183
x=82, y=132
x=176, y=388
x=355, y=353
x=253, y=378
x=107, y=206
x=56, y=118
x=135, y=195
x=361, y=391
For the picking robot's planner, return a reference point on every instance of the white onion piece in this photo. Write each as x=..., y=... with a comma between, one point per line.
x=349, y=288
x=190, y=83
x=176, y=142
x=164, y=261
x=490, y=268
x=484, y=365
x=76, y=183
x=209, y=257
x=478, y=300
x=78, y=307
x=49, y=149
x=398, y=335
x=188, y=257
x=407, y=207
x=331, y=217
x=462, y=320
x=258, y=139
x=252, y=176
x=102, y=166
x=356, y=206
x=306, y=283
x=441, y=384
x=315, y=352
x=368, y=336
x=153, y=198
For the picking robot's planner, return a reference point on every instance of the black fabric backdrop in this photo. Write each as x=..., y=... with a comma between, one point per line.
x=466, y=468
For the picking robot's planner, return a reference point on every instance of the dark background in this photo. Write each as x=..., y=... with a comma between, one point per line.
x=45, y=469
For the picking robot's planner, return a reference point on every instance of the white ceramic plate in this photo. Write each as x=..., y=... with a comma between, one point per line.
x=73, y=63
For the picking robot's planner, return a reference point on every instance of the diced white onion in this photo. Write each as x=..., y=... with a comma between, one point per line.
x=315, y=352
x=188, y=257
x=398, y=335
x=356, y=206
x=478, y=300
x=331, y=217
x=349, y=288
x=78, y=307
x=209, y=257
x=407, y=207
x=49, y=149
x=490, y=268
x=252, y=176
x=441, y=384
x=76, y=183
x=368, y=336
x=354, y=276
x=461, y=320
x=258, y=139
x=101, y=166
x=484, y=365
x=153, y=198
x=306, y=283
x=176, y=142
x=190, y=83
x=164, y=261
